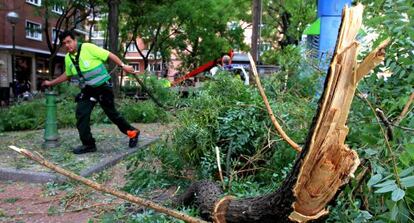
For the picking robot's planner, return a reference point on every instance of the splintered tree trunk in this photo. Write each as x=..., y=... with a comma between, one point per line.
x=325, y=163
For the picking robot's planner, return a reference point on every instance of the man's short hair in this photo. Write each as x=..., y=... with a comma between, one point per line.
x=226, y=59
x=65, y=34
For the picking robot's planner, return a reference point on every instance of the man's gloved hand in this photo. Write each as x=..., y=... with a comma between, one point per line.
x=128, y=69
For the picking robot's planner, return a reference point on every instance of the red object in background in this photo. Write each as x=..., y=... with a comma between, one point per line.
x=202, y=68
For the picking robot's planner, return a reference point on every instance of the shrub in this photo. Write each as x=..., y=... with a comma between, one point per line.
x=198, y=129
x=28, y=115
x=160, y=89
x=154, y=167
x=32, y=114
x=142, y=111
x=227, y=114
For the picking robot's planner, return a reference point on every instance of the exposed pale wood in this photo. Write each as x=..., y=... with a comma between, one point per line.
x=219, y=166
x=329, y=163
x=405, y=109
x=220, y=209
x=372, y=60
x=99, y=187
x=276, y=124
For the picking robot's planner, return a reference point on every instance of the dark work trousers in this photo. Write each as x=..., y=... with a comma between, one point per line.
x=86, y=101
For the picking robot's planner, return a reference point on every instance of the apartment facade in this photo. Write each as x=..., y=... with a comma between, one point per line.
x=135, y=59
x=30, y=52
x=132, y=56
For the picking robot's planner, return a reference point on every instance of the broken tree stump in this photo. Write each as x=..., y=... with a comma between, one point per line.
x=325, y=163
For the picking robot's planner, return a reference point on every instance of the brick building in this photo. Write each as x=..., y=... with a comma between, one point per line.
x=31, y=51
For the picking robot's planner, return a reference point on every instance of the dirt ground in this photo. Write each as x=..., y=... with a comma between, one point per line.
x=44, y=203
x=35, y=203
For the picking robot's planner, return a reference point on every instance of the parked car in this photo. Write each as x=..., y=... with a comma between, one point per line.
x=242, y=60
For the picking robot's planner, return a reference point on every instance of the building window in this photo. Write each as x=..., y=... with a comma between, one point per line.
x=57, y=9
x=135, y=66
x=55, y=36
x=132, y=47
x=35, y=2
x=157, y=67
x=33, y=31
x=154, y=67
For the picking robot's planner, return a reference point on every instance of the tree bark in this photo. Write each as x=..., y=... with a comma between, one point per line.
x=325, y=163
x=113, y=31
x=254, y=51
x=257, y=4
x=405, y=109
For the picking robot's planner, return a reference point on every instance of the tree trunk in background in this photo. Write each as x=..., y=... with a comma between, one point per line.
x=325, y=163
x=254, y=51
x=288, y=39
x=113, y=31
x=255, y=29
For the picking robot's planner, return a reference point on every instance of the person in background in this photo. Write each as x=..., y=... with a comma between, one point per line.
x=224, y=64
x=226, y=61
x=85, y=63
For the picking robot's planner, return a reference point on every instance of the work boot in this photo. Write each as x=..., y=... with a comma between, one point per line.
x=133, y=137
x=84, y=149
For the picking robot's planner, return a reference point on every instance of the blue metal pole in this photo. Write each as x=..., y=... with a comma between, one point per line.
x=329, y=12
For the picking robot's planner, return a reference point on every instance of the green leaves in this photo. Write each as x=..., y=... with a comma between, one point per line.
x=364, y=216
x=406, y=172
x=410, y=150
x=407, y=181
x=284, y=21
x=387, y=184
x=197, y=30
x=24, y=116
x=383, y=19
x=374, y=180
x=397, y=194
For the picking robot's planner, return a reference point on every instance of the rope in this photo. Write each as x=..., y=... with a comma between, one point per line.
x=153, y=98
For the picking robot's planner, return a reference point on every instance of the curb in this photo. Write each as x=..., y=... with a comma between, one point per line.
x=22, y=175
x=111, y=161
x=29, y=176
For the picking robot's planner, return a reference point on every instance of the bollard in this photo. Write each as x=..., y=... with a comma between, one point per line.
x=51, y=132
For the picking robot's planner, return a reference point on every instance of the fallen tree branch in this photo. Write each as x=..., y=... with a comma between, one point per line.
x=154, y=99
x=386, y=122
x=219, y=166
x=405, y=110
x=403, y=127
x=269, y=109
x=99, y=187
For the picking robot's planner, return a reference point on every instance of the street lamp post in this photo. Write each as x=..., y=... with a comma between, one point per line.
x=13, y=19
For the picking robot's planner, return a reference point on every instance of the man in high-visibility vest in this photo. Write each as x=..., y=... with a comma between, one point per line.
x=85, y=63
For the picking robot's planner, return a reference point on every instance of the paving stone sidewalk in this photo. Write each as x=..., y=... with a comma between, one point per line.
x=112, y=147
